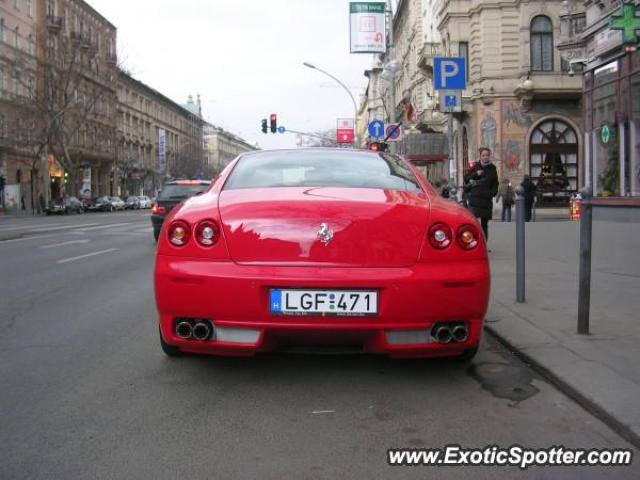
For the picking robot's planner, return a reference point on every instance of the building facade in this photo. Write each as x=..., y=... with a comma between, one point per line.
x=18, y=70
x=157, y=139
x=221, y=147
x=59, y=92
x=520, y=101
x=611, y=43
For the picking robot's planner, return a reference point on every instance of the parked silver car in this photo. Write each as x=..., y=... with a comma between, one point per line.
x=145, y=202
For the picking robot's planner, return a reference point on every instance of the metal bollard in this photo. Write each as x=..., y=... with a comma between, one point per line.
x=584, y=268
x=520, y=244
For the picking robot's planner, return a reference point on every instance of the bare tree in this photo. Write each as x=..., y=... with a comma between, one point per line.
x=71, y=92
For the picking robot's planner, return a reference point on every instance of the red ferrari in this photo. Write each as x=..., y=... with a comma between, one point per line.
x=321, y=249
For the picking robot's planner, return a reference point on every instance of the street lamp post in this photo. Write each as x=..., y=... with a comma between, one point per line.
x=355, y=106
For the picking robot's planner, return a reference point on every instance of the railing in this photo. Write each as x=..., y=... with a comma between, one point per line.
x=54, y=22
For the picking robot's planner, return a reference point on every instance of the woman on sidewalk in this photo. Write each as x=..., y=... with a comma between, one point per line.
x=480, y=186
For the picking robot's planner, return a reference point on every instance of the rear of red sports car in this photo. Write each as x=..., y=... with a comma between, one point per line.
x=321, y=248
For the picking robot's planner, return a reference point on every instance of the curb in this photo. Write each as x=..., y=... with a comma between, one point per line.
x=593, y=408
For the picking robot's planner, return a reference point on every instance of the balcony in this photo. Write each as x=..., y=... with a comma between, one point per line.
x=428, y=51
x=54, y=23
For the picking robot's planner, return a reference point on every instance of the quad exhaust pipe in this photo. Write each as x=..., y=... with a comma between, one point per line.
x=193, y=329
x=448, y=332
x=184, y=329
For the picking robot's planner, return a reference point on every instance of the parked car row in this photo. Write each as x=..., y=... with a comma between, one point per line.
x=104, y=203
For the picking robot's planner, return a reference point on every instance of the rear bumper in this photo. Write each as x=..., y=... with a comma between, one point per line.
x=235, y=297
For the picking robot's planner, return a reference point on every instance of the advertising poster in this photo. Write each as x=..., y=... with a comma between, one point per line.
x=85, y=189
x=367, y=30
x=11, y=198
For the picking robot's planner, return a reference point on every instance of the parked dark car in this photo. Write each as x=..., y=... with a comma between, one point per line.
x=101, y=204
x=64, y=206
x=173, y=193
x=132, y=203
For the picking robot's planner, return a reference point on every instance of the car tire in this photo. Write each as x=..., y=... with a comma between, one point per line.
x=156, y=234
x=467, y=356
x=169, y=350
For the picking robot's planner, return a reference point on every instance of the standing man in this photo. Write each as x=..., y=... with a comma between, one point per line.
x=507, y=195
x=529, y=197
x=480, y=186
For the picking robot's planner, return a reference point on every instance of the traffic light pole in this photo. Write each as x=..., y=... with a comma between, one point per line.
x=355, y=105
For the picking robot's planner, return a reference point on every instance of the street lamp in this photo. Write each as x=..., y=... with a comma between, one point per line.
x=355, y=106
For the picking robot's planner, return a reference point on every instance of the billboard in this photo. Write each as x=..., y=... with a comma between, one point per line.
x=367, y=27
x=162, y=150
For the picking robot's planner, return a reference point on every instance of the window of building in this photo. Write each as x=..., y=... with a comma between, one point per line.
x=463, y=51
x=541, y=44
x=30, y=44
x=28, y=7
x=1, y=81
x=1, y=29
x=15, y=4
x=16, y=37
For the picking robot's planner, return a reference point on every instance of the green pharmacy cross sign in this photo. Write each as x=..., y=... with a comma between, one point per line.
x=628, y=22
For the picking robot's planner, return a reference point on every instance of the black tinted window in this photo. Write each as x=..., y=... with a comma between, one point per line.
x=181, y=191
x=322, y=169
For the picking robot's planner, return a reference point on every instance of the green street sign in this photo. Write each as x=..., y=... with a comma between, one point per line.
x=628, y=22
x=605, y=134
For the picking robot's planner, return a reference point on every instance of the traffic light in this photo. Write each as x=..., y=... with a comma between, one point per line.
x=264, y=125
x=378, y=147
x=274, y=122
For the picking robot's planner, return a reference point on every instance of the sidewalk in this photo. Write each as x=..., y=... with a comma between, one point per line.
x=600, y=370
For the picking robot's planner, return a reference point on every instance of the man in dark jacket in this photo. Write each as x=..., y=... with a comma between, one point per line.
x=480, y=186
x=529, y=197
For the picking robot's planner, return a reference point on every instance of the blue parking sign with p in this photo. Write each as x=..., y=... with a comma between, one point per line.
x=449, y=73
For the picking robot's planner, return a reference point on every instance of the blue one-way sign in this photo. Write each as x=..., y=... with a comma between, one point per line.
x=376, y=129
x=449, y=73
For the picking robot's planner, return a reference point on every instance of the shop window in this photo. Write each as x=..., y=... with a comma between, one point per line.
x=541, y=44
x=553, y=162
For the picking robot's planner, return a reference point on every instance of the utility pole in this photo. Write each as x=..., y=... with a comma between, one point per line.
x=392, y=83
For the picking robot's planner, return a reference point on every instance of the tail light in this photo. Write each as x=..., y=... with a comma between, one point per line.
x=440, y=235
x=157, y=209
x=179, y=233
x=207, y=233
x=467, y=237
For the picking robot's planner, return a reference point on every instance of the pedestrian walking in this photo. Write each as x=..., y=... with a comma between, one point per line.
x=480, y=186
x=445, y=188
x=529, y=197
x=507, y=195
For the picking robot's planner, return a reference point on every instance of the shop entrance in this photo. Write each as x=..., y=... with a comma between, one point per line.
x=553, y=162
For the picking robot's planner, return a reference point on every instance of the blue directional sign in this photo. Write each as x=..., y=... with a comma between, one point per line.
x=376, y=129
x=281, y=129
x=449, y=73
x=450, y=101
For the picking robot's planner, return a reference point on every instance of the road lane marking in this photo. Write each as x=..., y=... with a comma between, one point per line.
x=320, y=412
x=63, y=227
x=69, y=242
x=100, y=227
x=24, y=227
x=73, y=259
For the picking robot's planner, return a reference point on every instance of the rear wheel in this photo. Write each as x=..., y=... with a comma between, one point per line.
x=169, y=350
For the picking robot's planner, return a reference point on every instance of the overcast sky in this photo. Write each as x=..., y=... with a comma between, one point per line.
x=244, y=57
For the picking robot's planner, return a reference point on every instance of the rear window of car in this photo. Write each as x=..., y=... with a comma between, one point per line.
x=181, y=191
x=322, y=169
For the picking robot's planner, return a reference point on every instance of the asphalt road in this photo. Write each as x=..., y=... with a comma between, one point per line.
x=87, y=392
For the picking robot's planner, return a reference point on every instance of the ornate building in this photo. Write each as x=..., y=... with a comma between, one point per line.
x=221, y=147
x=157, y=139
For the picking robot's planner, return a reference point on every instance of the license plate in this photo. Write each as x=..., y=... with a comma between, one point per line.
x=350, y=303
